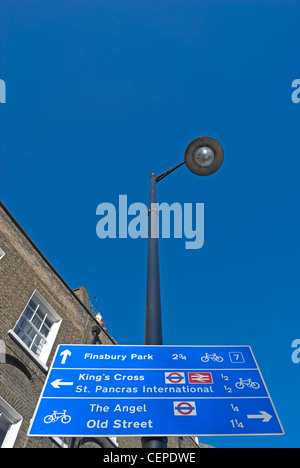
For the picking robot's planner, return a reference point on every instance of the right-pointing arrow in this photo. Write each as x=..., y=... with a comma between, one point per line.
x=263, y=415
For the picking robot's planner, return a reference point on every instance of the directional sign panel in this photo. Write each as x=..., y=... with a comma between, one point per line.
x=103, y=391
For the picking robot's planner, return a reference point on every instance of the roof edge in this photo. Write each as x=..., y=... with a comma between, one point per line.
x=19, y=227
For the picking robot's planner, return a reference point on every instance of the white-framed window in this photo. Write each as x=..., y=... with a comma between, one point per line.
x=10, y=423
x=2, y=253
x=37, y=328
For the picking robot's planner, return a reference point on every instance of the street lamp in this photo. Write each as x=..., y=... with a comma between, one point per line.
x=203, y=156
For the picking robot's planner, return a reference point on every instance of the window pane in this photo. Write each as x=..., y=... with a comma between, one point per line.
x=41, y=313
x=22, y=323
x=39, y=341
x=24, y=337
x=33, y=304
x=35, y=350
x=28, y=312
x=45, y=330
x=4, y=428
x=37, y=322
x=37, y=345
x=48, y=322
x=29, y=332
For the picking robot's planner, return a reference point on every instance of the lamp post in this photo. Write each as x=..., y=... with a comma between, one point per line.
x=203, y=156
x=95, y=332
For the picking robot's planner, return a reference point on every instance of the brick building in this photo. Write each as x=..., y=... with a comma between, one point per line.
x=38, y=311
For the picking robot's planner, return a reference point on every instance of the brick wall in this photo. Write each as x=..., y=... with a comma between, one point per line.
x=23, y=270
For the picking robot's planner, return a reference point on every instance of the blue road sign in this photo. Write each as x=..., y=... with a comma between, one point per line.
x=103, y=391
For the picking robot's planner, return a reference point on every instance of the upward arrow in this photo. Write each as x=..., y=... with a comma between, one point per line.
x=65, y=354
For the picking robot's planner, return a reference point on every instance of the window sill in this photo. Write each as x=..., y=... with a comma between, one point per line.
x=28, y=351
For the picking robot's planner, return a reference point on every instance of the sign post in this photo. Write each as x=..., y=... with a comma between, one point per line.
x=103, y=391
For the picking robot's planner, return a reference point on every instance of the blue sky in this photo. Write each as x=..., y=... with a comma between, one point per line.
x=99, y=95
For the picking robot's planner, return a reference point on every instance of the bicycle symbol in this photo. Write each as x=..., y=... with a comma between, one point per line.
x=211, y=357
x=50, y=418
x=248, y=383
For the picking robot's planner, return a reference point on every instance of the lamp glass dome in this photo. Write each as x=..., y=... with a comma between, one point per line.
x=204, y=156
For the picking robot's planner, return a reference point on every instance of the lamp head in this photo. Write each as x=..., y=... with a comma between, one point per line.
x=204, y=156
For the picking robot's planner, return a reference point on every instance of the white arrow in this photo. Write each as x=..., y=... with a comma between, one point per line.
x=263, y=415
x=201, y=378
x=58, y=383
x=65, y=354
